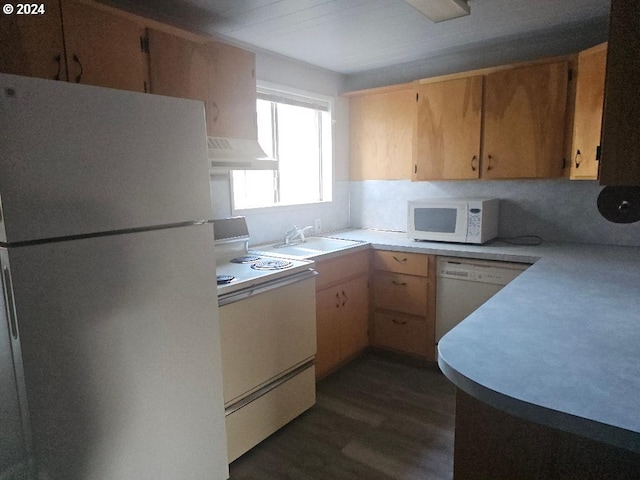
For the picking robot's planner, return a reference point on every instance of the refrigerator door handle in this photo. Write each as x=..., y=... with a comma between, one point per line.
x=7, y=290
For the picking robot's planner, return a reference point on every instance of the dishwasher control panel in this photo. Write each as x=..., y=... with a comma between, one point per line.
x=498, y=273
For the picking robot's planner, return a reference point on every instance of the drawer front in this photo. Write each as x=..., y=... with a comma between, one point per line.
x=400, y=293
x=399, y=262
x=331, y=272
x=402, y=333
x=254, y=422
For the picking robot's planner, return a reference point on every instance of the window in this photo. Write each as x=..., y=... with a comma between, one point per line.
x=295, y=130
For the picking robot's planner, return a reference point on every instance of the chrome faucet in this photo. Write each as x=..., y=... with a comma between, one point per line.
x=296, y=233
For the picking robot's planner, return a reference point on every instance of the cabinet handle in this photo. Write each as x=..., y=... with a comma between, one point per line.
x=489, y=167
x=578, y=154
x=58, y=59
x=473, y=160
x=77, y=60
x=400, y=284
x=398, y=322
x=344, y=296
x=399, y=260
x=337, y=300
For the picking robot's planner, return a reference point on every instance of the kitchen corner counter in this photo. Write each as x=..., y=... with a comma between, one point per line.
x=559, y=346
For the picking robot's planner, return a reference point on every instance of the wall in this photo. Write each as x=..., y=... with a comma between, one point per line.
x=270, y=225
x=556, y=210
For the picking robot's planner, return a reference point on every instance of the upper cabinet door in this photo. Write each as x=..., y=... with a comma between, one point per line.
x=179, y=67
x=447, y=130
x=103, y=48
x=380, y=131
x=524, y=122
x=620, y=163
x=32, y=45
x=587, y=120
x=220, y=75
x=232, y=93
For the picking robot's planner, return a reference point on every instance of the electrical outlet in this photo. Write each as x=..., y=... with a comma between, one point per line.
x=317, y=226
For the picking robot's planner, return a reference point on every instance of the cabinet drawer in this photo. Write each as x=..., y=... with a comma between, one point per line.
x=400, y=262
x=338, y=269
x=401, y=333
x=401, y=293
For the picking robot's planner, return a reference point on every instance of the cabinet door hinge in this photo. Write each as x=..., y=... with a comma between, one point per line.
x=144, y=44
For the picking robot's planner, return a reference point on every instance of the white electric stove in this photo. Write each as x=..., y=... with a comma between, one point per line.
x=240, y=270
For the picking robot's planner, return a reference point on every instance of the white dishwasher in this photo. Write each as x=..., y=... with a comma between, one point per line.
x=465, y=284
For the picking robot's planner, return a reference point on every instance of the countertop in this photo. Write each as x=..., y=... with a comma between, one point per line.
x=560, y=345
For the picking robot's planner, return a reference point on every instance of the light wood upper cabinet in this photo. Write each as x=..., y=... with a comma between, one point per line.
x=179, y=67
x=524, y=121
x=587, y=122
x=32, y=45
x=220, y=75
x=102, y=47
x=447, y=130
x=380, y=129
x=233, y=93
x=620, y=163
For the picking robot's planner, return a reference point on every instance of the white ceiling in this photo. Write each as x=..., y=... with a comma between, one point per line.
x=354, y=36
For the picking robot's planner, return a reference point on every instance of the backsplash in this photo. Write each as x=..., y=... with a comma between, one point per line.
x=556, y=210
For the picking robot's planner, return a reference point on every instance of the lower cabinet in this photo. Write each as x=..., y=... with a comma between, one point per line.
x=403, y=299
x=342, y=310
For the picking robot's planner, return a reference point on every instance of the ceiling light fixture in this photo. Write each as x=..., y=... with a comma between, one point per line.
x=441, y=10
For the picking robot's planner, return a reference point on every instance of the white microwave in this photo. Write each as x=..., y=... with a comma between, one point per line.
x=460, y=220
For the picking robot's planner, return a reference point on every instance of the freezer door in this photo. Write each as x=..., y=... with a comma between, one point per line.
x=78, y=159
x=14, y=434
x=121, y=350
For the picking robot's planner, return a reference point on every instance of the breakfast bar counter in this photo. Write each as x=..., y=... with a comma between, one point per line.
x=559, y=346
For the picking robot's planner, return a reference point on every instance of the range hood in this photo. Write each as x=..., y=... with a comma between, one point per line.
x=227, y=154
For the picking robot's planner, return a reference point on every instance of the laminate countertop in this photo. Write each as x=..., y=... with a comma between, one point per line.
x=560, y=345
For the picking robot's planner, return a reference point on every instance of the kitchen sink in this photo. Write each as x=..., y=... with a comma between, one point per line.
x=311, y=247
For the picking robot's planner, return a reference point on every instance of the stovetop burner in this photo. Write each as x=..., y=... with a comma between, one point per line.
x=245, y=259
x=271, y=264
x=225, y=279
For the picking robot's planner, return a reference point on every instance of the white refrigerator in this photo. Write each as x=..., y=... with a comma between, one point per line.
x=109, y=335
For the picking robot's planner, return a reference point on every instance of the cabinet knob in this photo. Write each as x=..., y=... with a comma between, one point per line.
x=398, y=322
x=489, y=166
x=337, y=300
x=474, y=160
x=400, y=260
x=345, y=298
x=400, y=284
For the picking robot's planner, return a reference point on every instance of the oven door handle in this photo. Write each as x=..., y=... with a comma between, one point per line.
x=265, y=287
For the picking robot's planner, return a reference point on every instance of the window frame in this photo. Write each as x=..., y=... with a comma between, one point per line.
x=275, y=91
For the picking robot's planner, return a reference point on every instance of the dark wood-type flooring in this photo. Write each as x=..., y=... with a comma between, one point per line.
x=375, y=419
